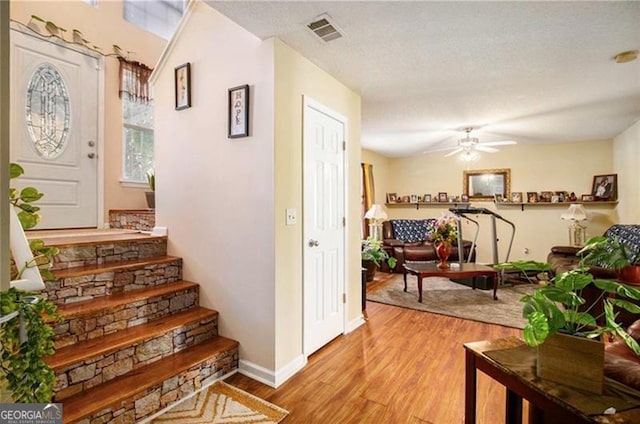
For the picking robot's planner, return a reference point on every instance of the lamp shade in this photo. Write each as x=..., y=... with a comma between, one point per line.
x=376, y=212
x=575, y=213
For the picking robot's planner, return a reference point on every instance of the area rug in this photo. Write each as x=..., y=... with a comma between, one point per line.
x=442, y=296
x=223, y=403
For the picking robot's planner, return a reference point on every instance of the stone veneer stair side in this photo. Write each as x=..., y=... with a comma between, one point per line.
x=133, y=339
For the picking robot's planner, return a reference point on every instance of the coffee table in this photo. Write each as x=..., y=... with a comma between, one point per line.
x=466, y=270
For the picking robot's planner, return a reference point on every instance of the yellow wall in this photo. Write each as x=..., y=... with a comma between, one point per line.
x=553, y=167
x=103, y=26
x=626, y=157
x=381, y=178
x=296, y=76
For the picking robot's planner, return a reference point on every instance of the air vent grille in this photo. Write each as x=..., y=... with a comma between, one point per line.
x=324, y=28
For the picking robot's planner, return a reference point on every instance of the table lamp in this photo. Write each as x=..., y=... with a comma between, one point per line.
x=375, y=215
x=574, y=214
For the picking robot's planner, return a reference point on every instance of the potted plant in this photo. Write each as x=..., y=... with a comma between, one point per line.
x=611, y=253
x=566, y=331
x=373, y=255
x=151, y=195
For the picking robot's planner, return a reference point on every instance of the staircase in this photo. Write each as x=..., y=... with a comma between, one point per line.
x=134, y=339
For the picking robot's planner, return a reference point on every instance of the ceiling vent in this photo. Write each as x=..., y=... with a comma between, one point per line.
x=324, y=28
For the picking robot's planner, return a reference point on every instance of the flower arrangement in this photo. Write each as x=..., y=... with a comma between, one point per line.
x=444, y=229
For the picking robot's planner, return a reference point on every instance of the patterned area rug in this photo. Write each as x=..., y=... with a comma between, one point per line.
x=223, y=403
x=442, y=296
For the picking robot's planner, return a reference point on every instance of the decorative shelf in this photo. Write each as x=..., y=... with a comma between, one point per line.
x=556, y=204
x=427, y=204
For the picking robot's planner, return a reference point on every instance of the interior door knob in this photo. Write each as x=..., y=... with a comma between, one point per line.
x=91, y=155
x=314, y=243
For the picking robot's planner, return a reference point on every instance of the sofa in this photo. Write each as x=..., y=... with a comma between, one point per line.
x=565, y=258
x=406, y=240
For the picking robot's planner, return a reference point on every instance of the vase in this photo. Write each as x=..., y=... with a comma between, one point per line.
x=443, y=250
x=573, y=361
x=371, y=268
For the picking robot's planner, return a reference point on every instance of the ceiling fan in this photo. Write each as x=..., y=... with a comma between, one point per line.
x=468, y=145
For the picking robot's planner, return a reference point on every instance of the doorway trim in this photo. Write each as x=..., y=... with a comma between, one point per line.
x=309, y=102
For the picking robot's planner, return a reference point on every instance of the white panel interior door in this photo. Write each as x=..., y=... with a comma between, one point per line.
x=324, y=232
x=54, y=128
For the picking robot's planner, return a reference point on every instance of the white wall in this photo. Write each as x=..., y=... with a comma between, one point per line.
x=214, y=193
x=626, y=157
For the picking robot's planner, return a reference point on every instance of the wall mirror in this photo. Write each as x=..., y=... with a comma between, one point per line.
x=482, y=184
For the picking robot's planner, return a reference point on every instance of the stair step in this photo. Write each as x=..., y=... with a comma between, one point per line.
x=111, y=342
x=92, y=281
x=83, y=237
x=148, y=389
x=86, y=364
x=108, y=314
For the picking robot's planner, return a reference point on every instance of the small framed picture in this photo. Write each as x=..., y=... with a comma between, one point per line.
x=239, y=111
x=414, y=198
x=392, y=198
x=605, y=187
x=498, y=198
x=562, y=196
x=587, y=198
x=555, y=199
x=545, y=196
x=426, y=198
x=532, y=197
x=406, y=199
x=442, y=197
x=464, y=198
x=516, y=197
x=182, y=82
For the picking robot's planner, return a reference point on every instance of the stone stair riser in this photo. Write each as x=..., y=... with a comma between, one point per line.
x=88, y=287
x=97, y=370
x=104, y=322
x=160, y=396
x=94, y=254
x=132, y=220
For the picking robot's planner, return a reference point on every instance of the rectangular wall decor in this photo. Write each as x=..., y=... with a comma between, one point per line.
x=183, y=86
x=239, y=111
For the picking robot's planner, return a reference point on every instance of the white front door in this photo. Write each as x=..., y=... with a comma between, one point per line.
x=54, y=128
x=324, y=232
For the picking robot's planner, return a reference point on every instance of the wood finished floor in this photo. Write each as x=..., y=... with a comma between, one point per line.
x=402, y=366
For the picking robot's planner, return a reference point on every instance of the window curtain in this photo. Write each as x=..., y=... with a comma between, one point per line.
x=134, y=80
x=368, y=195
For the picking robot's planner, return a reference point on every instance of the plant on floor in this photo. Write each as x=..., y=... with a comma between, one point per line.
x=25, y=336
x=372, y=251
x=560, y=308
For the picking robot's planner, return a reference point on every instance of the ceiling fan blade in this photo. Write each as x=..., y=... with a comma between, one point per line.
x=483, y=148
x=498, y=143
x=453, y=152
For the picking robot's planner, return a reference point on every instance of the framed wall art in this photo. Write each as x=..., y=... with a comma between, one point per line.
x=182, y=82
x=483, y=184
x=605, y=187
x=239, y=111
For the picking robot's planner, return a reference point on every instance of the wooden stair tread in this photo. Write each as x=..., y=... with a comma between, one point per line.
x=102, y=396
x=104, y=345
x=112, y=266
x=89, y=236
x=71, y=310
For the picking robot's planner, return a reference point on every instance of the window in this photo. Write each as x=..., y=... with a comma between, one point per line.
x=137, y=118
x=159, y=17
x=93, y=3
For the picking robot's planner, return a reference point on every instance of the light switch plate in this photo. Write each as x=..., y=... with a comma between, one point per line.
x=292, y=219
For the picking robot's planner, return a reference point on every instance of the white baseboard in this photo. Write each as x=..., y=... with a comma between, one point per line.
x=269, y=377
x=352, y=325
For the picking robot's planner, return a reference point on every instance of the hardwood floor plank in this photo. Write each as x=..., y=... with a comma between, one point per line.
x=402, y=366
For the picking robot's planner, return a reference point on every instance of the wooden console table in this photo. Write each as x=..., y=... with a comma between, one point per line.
x=543, y=403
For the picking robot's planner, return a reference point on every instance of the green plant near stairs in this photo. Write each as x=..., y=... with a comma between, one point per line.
x=25, y=334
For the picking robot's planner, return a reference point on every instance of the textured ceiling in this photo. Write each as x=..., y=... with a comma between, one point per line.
x=534, y=72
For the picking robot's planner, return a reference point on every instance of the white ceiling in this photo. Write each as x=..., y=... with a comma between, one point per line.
x=534, y=72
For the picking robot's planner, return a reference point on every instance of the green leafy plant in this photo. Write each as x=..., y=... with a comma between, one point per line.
x=560, y=308
x=608, y=252
x=372, y=251
x=151, y=179
x=29, y=379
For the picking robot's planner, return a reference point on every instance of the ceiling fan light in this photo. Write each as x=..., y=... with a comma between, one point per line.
x=469, y=156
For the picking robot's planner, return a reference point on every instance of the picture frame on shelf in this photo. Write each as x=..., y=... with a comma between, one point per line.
x=605, y=187
x=392, y=198
x=239, y=111
x=532, y=197
x=426, y=198
x=442, y=197
x=182, y=84
x=414, y=198
x=555, y=199
x=498, y=198
x=406, y=199
x=516, y=197
x=587, y=198
x=464, y=198
x=545, y=196
x=562, y=195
